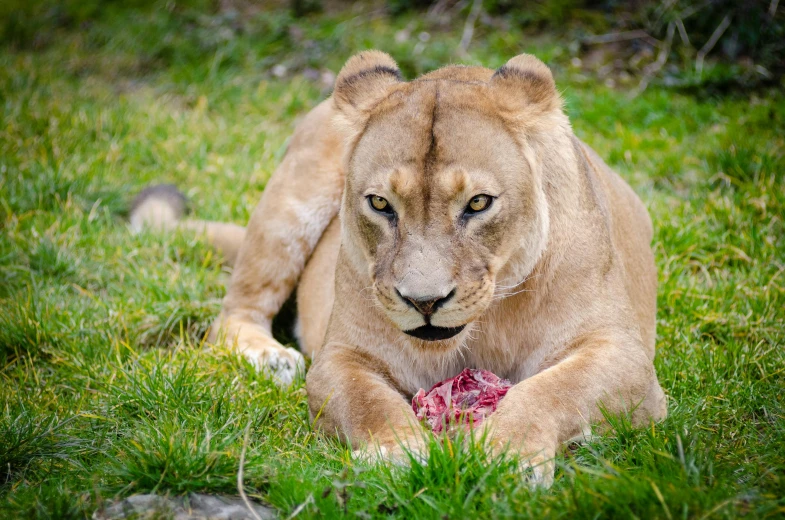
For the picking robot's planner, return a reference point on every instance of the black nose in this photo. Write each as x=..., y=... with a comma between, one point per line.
x=426, y=306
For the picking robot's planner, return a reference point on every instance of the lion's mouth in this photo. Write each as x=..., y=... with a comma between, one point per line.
x=432, y=333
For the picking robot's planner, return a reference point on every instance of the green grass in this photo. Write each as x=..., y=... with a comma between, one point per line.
x=105, y=390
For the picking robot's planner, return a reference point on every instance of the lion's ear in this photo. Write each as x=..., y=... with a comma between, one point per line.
x=525, y=84
x=364, y=81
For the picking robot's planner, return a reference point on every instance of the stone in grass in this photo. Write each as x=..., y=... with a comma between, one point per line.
x=192, y=507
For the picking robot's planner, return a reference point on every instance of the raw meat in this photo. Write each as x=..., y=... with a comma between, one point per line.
x=469, y=398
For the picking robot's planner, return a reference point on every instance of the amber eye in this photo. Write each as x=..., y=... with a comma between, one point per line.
x=380, y=204
x=478, y=203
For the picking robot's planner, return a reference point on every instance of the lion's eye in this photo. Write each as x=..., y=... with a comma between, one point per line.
x=380, y=204
x=478, y=203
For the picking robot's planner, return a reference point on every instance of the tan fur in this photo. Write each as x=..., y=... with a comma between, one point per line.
x=162, y=207
x=555, y=282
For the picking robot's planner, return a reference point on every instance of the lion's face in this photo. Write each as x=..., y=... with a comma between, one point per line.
x=443, y=205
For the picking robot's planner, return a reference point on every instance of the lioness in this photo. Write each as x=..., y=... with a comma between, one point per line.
x=447, y=222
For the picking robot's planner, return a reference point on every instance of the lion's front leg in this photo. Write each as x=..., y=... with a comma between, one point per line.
x=300, y=200
x=540, y=413
x=352, y=394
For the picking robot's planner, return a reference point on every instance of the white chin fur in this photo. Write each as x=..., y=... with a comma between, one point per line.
x=407, y=321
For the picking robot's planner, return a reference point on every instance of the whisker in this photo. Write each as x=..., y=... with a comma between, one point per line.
x=501, y=296
x=524, y=280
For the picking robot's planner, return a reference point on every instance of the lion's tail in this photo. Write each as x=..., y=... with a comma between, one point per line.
x=162, y=207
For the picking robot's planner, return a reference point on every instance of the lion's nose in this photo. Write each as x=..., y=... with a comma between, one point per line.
x=426, y=305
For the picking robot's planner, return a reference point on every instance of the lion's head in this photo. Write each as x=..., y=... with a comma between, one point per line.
x=445, y=201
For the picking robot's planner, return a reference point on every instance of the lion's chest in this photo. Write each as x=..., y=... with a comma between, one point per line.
x=512, y=347
x=423, y=370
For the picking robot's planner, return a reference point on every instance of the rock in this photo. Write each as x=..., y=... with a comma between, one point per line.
x=311, y=74
x=192, y=507
x=279, y=70
x=327, y=78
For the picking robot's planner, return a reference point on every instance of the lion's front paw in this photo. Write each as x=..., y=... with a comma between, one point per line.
x=371, y=454
x=283, y=363
x=400, y=453
x=262, y=351
x=536, y=453
x=538, y=470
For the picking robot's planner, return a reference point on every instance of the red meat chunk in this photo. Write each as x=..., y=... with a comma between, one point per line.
x=467, y=398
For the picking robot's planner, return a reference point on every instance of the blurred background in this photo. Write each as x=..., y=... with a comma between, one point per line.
x=719, y=45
